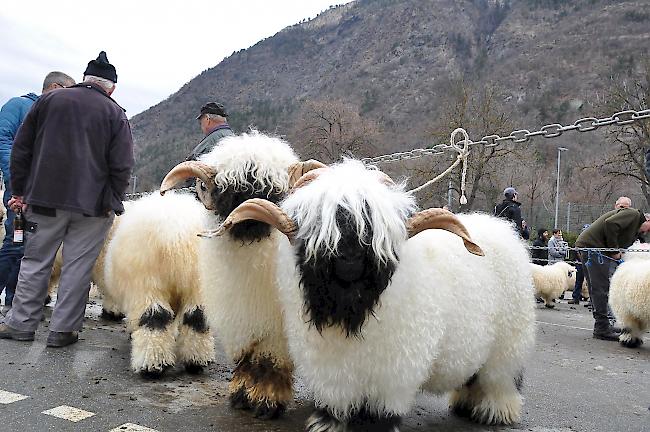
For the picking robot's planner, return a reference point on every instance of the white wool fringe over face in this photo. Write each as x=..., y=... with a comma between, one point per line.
x=238, y=279
x=445, y=316
x=152, y=260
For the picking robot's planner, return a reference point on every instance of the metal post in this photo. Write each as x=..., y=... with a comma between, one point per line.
x=449, y=190
x=557, y=184
x=135, y=180
x=568, y=217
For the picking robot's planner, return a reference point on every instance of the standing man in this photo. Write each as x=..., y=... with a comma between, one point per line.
x=623, y=202
x=615, y=229
x=557, y=247
x=12, y=115
x=213, y=122
x=510, y=209
x=70, y=167
x=539, y=254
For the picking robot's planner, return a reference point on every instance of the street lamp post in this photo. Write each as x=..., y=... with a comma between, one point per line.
x=557, y=184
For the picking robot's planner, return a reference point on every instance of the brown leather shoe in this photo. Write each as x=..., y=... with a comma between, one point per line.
x=7, y=332
x=61, y=339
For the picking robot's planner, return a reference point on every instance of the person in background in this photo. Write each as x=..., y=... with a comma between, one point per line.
x=12, y=115
x=214, y=125
x=616, y=229
x=70, y=166
x=510, y=209
x=580, y=277
x=557, y=247
x=623, y=202
x=539, y=254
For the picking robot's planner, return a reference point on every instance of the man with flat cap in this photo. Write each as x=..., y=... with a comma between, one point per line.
x=213, y=122
x=70, y=166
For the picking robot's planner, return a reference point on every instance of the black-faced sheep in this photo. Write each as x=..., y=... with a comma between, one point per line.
x=551, y=281
x=629, y=296
x=238, y=271
x=372, y=317
x=152, y=275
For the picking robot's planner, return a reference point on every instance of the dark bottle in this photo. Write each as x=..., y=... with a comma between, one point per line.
x=19, y=227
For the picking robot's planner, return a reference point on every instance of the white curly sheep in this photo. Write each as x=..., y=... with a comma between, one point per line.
x=551, y=281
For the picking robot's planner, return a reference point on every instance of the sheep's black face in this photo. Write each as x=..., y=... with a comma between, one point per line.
x=226, y=201
x=343, y=289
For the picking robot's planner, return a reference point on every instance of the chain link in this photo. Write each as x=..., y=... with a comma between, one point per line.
x=553, y=130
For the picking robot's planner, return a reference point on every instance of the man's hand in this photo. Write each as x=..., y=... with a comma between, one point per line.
x=16, y=202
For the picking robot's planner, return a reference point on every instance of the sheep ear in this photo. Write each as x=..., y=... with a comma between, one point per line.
x=260, y=210
x=185, y=170
x=437, y=218
x=299, y=169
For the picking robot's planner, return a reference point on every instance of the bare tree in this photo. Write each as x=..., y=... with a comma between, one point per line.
x=329, y=129
x=480, y=113
x=630, y=142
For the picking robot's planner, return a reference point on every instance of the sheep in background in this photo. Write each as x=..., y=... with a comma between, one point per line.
x=372, y=317
x=152, y=275
x=238, y=271
x=629, y=296
x=552, y=281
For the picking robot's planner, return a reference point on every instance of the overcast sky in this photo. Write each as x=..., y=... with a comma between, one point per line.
x=156, y=46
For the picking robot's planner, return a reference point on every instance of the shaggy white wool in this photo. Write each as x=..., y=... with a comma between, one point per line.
x=360, y=192
x=445, y=316
x=552, y=281
x=152, y=261
x=266, y=157
x=629, y=292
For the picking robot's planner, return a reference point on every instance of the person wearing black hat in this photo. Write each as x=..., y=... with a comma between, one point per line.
x=70, y=166
x=213, y=122
x=510, y=209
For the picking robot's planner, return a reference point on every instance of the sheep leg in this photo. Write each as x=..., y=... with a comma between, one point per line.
x=195, y=344
x=489, y=398
x=632, y=332
x=360, y=420
x=153, y=341
x=261, y=384
x=110, y=311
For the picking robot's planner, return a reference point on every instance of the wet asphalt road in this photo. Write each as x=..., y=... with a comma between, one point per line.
x=572, y=383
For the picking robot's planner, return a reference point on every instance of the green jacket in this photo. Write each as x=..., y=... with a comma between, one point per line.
x=615, y=229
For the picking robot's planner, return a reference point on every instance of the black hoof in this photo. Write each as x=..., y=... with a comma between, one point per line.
x=632, y=343
x=47, y=301
x=194, y=368
x=268, y=412
x=153, y=372
x=462, y=410
x=112, y=316
x=550, y=306
x=239, y=400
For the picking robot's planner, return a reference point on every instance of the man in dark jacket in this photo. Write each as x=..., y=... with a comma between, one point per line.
x=214, y=125
x=70, y=166
x=12, y=115
x=510, y=209
x=616, y=229
x=539, y=255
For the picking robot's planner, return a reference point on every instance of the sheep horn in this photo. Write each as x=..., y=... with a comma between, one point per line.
x=185, y=170
x=436, y=218
x=299, y=169
x=260, y=210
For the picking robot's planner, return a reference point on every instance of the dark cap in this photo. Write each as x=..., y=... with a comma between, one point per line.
x=509, y=192
x=213, y=108
x=101, y=68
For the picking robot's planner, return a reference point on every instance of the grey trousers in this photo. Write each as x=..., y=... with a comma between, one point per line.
x=82, y=238
x=597, y=273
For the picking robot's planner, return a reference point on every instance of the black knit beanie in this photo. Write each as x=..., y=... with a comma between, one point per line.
x=101, y=68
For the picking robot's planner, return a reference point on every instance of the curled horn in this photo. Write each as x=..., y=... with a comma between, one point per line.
x=299, y=169
x=260, y=210
x=185, y=170
x=436, y=218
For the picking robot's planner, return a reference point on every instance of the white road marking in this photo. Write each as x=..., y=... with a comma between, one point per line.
x=9, y=397
x=69, y=413
x=562, y=325
x=132, y=427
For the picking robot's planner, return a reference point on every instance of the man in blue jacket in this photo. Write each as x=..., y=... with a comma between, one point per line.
x=12, y=115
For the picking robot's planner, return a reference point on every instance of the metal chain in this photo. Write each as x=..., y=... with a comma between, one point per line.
x=552, y=130
x=136, y=195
